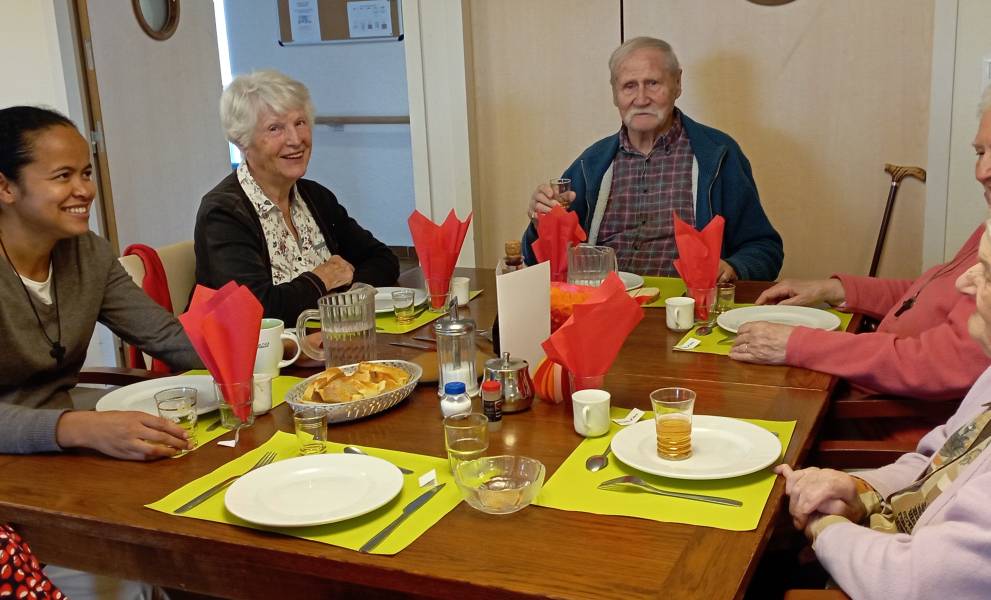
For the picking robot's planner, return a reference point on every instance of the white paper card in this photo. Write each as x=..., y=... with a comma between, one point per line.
x=631, y=417
x=429, y=478
x=688, y=344
x=369, y=18
x=304, y=20
x=524, y=300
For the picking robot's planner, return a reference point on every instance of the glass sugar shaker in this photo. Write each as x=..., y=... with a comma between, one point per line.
x=456, y=353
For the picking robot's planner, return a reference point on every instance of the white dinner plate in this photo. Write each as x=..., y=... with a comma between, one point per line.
x=383, y=298
x=141, y=396
x=731, y=320
x=721, y=448
x=632, y=281
x=313, y=490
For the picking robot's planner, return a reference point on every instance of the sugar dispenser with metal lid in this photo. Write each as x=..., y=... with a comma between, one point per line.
x=456, y=351
x=514, y=375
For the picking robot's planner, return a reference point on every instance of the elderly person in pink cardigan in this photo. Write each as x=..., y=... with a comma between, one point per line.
x=919, y=527
x=920, y=349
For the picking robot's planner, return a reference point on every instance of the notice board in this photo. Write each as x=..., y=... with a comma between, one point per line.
x=330, y=21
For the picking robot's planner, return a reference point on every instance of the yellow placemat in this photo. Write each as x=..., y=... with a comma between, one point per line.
x=719, y=341
x=204, y=435
x=669, y=286
x=386, y=322
x=352, y=533
x=573, y=487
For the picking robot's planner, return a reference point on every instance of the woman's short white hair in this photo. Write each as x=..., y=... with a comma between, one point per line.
x=985, y=104
x=248, y=95
x=639, y=43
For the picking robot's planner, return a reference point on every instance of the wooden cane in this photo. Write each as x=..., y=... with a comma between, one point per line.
x=897, y=172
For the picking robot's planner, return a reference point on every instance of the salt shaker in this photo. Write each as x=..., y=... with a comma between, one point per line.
x=456, y=352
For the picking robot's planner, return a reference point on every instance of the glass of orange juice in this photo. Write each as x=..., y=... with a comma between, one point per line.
x=673, y=418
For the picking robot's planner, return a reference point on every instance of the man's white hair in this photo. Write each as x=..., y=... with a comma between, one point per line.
x=985, y=104
x=639, y=43
x=248, y=95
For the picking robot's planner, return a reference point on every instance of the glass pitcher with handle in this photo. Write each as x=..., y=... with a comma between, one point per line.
x=347, y=327
x=590, y=265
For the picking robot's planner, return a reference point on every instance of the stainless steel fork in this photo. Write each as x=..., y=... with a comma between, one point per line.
x=640, y=483
x=266, y=459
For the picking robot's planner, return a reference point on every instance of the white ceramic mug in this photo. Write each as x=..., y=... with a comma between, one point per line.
x=459, y=289
x=268, y=360
x=680, y=313
x=591, y=408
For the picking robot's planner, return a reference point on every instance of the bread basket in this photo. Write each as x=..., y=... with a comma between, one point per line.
x=341, y=412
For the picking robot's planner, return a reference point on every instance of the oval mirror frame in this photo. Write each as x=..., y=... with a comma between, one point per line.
x=171, y=20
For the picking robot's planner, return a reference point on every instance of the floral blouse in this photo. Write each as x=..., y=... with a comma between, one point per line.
x=289, y=258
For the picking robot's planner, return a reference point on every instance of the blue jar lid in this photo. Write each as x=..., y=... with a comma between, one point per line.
x=455, y=387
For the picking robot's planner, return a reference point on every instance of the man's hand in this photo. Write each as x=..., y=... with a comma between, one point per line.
x=542, y=200
x=122, y=434
x=814, y=492
x=804, y=293
x=761, y=342
x=335, y=272
x=726, y=272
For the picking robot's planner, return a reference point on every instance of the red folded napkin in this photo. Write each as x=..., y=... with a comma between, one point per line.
x=557, y=231
x=698, y=257
x=223, y=326
x=438, y=247
x=589, y=341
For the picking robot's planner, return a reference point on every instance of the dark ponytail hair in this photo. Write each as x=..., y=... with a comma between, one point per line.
x=18, y=126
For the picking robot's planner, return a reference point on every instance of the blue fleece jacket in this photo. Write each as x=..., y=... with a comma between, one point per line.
x=725, y=187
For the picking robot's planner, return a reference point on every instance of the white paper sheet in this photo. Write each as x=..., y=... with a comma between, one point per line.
x=369, y=18
x=524, y=299
x=304, y=20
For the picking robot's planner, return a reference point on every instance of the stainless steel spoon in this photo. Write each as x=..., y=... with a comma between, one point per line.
x=597, y=462
x=357, y=450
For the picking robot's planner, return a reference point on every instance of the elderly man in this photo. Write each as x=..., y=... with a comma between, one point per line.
x=628, y=186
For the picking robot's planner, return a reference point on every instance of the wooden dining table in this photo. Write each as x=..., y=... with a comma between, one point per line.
x=86, y=511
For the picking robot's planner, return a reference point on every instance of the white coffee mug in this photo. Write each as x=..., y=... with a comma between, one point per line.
x=459, y=289
x=261, y=403
x=680, y=313
x=268, y=360
x=591, y=409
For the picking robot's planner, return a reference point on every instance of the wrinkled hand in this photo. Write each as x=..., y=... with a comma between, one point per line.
x=815, y=492
x=804, y=293
x=542, y=200
x=762, y=343
x=726, y=272
x=122, y=434
x=335, y=272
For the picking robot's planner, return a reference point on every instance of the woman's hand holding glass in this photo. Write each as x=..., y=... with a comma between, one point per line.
x=335, y=272
x=129, y=435
x=804, y=293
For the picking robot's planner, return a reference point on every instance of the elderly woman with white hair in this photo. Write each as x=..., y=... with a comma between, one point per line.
x=920, y=348
x=287, y=238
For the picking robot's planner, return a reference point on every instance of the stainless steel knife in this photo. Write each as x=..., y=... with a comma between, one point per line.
x=409, y=509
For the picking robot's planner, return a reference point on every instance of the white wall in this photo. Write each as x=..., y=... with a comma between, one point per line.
x=29, y=43
x=368, y=167
x=965, y=204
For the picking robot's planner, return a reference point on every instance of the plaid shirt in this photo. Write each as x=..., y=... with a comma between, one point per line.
x=645, y=190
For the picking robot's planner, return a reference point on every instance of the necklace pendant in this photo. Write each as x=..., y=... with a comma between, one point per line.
x=58, y=352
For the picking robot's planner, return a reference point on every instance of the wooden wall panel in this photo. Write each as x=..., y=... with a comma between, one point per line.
x=541, y=95
x=820, y=94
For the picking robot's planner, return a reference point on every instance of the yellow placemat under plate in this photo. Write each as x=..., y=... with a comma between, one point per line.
x=204, y=435
x=352, y=533
x=669, y=286
x=719, y=341
x=573, y=487
x=386, y=322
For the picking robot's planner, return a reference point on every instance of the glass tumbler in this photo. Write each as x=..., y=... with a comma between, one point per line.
x=403, y=306
x=590, y=265
x=673, y=419
x=466, y=437
x=179, y=406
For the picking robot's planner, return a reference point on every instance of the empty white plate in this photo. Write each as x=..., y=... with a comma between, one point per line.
x=383, y=298
x=721, y=448
x=731, y=320
x=141, y=396
x=632, y=281
x=314, y=490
